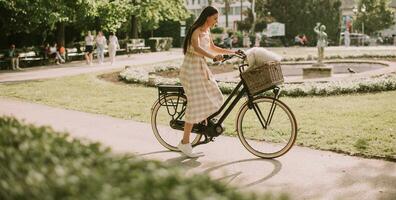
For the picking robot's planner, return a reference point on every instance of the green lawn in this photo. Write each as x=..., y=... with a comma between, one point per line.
x=363, y=124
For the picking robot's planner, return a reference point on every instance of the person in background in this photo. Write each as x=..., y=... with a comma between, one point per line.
x=113, y=46
x=100, y=46
x=44, y=49
x=304, y=40
x=62, y=52
x=347, y=39
x=246, y=40
x=89, y=40
x=54, y=53
x=234, y=42
x=257, y=40
x=13, y=56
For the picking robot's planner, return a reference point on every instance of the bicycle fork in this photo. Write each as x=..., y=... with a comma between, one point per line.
x=265, y=123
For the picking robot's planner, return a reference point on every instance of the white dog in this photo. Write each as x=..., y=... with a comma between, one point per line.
x=257, y=56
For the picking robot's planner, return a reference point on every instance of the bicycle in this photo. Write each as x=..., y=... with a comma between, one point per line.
x=265, y=125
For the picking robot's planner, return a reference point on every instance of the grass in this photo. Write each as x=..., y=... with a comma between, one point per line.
x=361, y=124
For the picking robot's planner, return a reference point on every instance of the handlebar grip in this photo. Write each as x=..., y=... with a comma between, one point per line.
x=225, y=57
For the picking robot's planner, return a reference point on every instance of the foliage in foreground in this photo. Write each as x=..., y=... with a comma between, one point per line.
x=38, y=163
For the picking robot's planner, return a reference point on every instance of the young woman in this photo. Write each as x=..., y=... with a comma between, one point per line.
x=89, y=40
x=100, y=46
x=203, y=95
x=113, y=46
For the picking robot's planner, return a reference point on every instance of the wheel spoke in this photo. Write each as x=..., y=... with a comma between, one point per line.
x=171, y=109
x=273, y=139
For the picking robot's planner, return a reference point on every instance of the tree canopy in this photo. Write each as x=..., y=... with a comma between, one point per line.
x=377, y=15
x=300, y=16
x=42, y=16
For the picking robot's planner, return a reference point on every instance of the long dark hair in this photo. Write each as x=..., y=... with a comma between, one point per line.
x=207, y=12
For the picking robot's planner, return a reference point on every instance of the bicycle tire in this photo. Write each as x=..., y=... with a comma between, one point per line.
x=267, y=142
x=160, y=124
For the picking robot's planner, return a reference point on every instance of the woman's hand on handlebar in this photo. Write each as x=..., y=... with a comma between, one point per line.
x=240, y=52
x=218, y=57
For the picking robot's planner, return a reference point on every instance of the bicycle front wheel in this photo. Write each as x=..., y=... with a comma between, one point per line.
x=268, y=129
x=163, y=112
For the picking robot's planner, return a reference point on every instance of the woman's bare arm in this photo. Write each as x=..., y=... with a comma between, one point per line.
x=195, y=43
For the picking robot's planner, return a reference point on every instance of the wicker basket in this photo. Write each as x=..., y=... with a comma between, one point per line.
x=261, y=78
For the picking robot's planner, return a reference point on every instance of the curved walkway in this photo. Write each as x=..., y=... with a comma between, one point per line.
x=79, y=67
x=303, y=173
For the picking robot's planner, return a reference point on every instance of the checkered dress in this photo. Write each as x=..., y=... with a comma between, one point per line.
x=203, y=95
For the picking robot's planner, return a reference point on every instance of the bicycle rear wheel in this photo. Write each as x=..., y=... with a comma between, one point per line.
x=161, y=116
x=268, y=129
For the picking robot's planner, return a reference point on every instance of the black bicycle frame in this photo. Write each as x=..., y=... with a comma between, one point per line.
x=227, y=105
x=233, y=103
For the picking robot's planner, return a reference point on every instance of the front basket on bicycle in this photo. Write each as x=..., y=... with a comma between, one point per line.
x=263, y=77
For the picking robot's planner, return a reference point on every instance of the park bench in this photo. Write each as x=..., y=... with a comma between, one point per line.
x=3, y=63
x=136, y=45
x=74, y=53
x=30, y=58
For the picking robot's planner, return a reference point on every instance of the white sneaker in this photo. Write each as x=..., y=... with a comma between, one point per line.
x=186, y=149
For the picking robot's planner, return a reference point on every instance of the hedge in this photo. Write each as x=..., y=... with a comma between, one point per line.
x=39, y=163
x=363, y=85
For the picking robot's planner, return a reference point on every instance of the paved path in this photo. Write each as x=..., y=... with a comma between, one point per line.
x=302, y=172
x=79, y=67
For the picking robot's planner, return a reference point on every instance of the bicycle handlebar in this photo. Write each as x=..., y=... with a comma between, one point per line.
x=239, y=54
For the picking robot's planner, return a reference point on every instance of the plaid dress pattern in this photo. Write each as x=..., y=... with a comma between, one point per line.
x=203, y=94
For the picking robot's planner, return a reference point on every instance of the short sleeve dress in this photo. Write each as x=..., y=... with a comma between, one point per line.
x=203, y=94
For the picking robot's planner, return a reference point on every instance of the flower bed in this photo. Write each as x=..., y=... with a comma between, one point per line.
x=364, y=85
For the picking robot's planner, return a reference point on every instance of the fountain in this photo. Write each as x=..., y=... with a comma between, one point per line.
x=319, y=69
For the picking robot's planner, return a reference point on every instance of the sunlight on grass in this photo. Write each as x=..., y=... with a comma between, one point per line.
x=363, y=124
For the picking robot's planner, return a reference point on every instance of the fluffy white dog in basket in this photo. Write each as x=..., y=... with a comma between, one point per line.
x=257, y=56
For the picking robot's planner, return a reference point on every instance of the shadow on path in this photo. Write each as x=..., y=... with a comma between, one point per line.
x=277, y=166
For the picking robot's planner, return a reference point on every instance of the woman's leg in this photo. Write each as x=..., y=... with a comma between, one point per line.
x=187, y=132
x=111, y=54
x=59, y=57
x=101, y=54
x=98, y=53
x=184, y=146
x=87, y=57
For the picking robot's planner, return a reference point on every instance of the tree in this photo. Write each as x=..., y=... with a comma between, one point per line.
x=378, y=15
x=25, y=16
x=247, y=23
x=300, y=16
x=147, y=14
x=112, y=14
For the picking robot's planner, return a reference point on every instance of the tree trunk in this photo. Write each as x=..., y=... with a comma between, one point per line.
x=226, y=9
x=241, y=9
x=60, y=33
x=134, y=28
x=254, y=16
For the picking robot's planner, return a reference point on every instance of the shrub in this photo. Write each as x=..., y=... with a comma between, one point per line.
x=38, y=163
x=364, y=85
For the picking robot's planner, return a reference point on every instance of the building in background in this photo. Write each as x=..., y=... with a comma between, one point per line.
x=234, y=14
